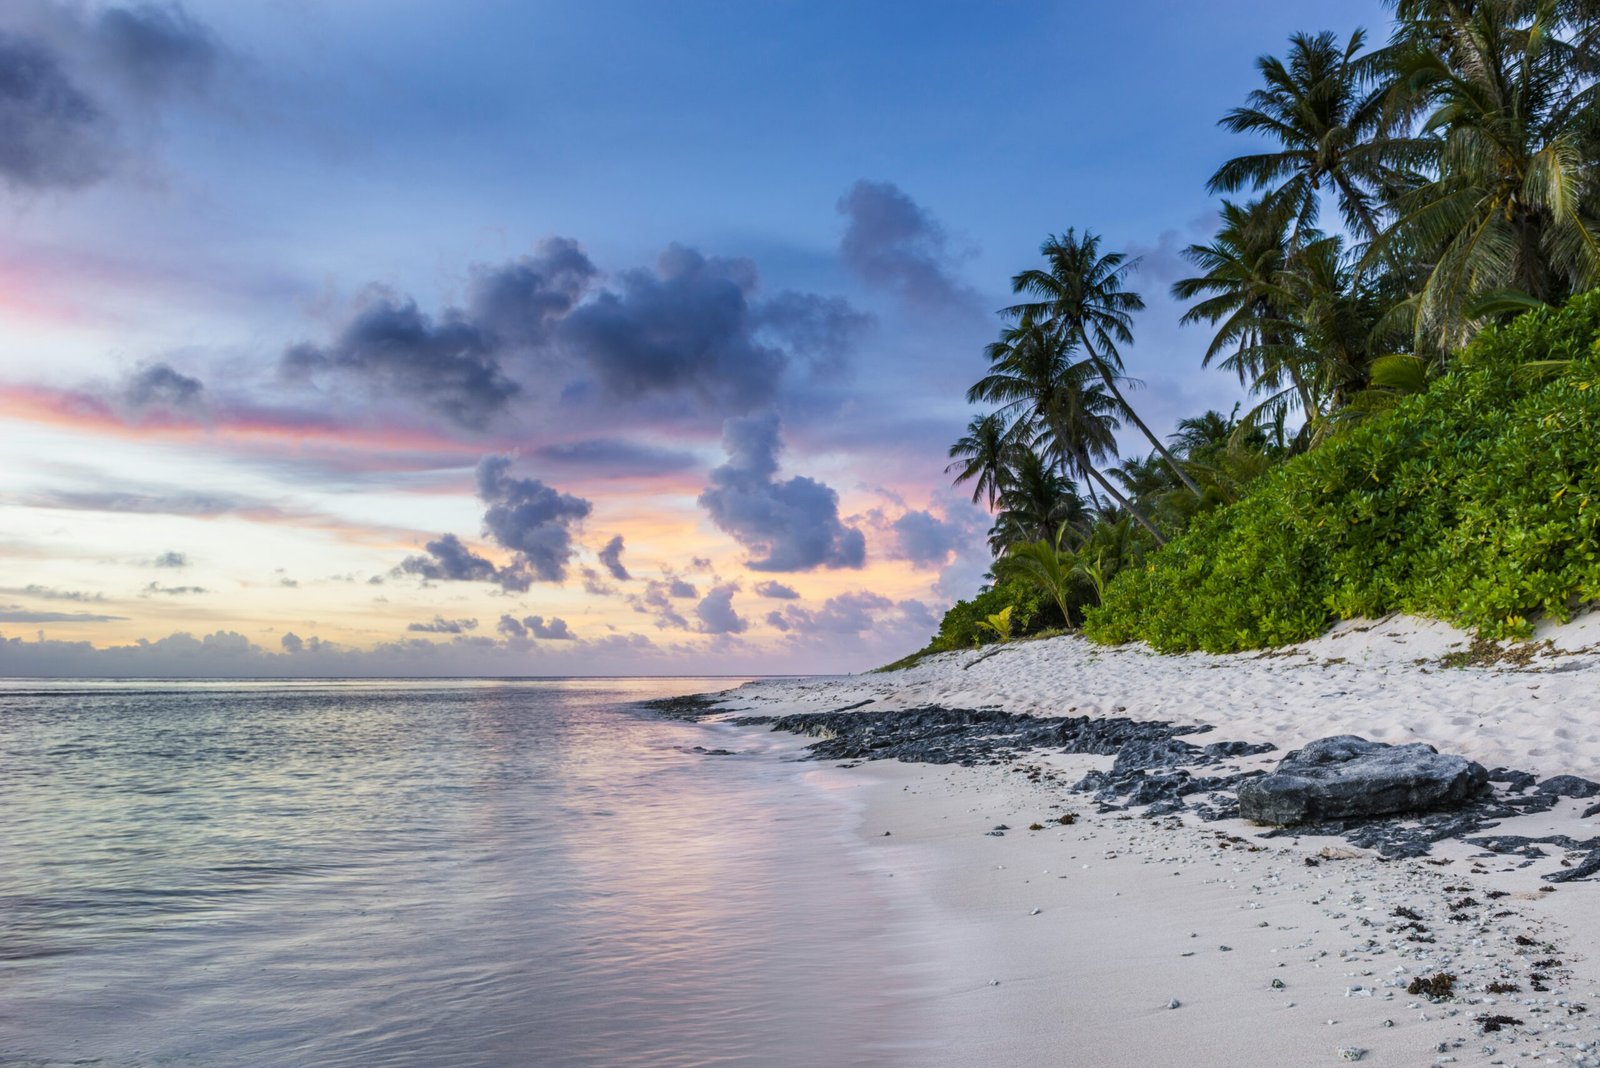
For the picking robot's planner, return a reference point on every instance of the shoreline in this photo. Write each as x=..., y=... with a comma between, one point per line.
x=1069, y=943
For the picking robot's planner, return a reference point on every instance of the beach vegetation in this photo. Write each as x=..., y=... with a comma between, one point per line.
x=1400, y=281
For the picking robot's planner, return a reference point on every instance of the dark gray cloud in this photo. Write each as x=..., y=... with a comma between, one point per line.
x=716, y=613
x=51, y=134
x=392, y=347
x=895, y=244
x=687, y=326
x=157, y=48
x=524, y=515
x=677, y=587
x=792, y=525
x=611, y=557
x=535, y=626
x=777, y=591
x=440, y=625
x=158, y=386
x=519, y=303
x=605, y=455
x=51, y=593
x=171, y=591
x=16, y=614
x=529, y=518
x=292, y=642
x=171, y=558
x=449, y=560
x=925, y=540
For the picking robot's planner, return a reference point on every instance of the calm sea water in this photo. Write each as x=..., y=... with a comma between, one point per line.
x=421, y=873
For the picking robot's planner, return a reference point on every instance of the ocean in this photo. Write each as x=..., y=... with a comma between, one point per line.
x=479, y=872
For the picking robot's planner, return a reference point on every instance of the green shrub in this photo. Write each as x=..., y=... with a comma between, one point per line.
x=1475, y=502
x=962, y=626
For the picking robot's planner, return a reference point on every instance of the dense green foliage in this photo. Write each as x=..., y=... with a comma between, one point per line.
x=1385, y=460
x=1475, y=502
x=1031, y=612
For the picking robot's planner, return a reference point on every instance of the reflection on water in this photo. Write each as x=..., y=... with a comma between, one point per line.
x=418, y=873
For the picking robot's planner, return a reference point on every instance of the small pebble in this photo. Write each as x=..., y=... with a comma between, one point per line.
x=1351, y=1053
x=1174, y=1003
x=1035, y=912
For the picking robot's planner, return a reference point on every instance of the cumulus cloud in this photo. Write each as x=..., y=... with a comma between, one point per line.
x=611, y=557
x=716, y=613
x=846, y=614
x=656, y=600
x=440, y=625
x=852, y=614
x=158, y=386
x=791, y=525
x=536, y=627
x=925, y=540
x=687, y=325
x=523, y=515
x=449, y=560
x=171, y=558
x=777, y=591
x=895, y=244
x=292, y=642
x=695, y=326
x=530, y=518
x=452, y=363
x=594, y=584
x=520, y=302
x=394, y=348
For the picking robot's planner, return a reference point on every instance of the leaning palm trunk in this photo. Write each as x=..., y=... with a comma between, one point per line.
x=1111, y=383
x=1127, y=506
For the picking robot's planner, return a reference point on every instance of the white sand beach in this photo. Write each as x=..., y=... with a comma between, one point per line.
x=1124, y=940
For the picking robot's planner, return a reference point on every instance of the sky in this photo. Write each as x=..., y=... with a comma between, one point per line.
x=497, y=337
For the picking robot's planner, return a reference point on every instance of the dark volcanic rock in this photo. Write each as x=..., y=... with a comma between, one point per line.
x=937, y=735
x=692, y=706
x=1585, y=868
x=1346, y=776
x=1568, y=786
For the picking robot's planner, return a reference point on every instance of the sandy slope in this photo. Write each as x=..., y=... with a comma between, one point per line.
x=1134, y=913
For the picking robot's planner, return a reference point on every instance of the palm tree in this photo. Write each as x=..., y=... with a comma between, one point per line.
x=983, y=456
x=1326, y=126
x=1081, y=298
x=1242, y=288
x=1507, y=95
x=1056, y=400
x=1037, y=501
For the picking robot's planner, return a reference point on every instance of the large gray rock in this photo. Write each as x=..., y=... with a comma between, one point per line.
x=1346, y=776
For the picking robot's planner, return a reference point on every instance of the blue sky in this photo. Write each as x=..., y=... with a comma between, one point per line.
x=282, y=281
